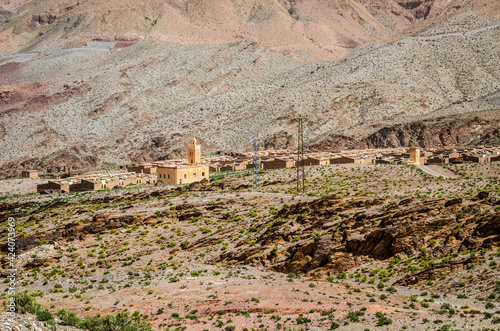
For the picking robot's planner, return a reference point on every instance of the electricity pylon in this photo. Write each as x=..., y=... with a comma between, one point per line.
x=301, y=173
x=255, y=164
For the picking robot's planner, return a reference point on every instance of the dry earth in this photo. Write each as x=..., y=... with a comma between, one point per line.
x=220, y=255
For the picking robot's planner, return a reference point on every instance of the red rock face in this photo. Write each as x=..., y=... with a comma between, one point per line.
x=12, y=95
x=10, y=70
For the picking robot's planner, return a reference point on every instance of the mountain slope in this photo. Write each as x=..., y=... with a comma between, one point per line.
x=125, y=100
x=304, y=29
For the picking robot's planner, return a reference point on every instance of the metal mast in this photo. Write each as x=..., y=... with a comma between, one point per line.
x=255, y=164
x=301, y=173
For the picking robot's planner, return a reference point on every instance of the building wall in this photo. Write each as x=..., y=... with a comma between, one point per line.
x=314, y=161
x=85, y=185
x=214, y=168
x=52, y=186
x=367, y=160
x=182, y=175
x=29, y=174
x=277, y=164
x=142, y=169
x=437, y=160
x=476, y=159
x=344, y=159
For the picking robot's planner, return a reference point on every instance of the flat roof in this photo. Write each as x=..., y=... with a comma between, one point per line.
x=174, y=166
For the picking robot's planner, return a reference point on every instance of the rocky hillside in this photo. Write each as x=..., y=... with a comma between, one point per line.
x=303, y=29
x=90, y=85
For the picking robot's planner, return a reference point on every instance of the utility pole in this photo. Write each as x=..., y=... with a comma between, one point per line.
x=255, y=164
x=301, y=173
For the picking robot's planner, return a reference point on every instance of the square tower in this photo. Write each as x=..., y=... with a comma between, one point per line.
x=194, y=152
x=415, y=155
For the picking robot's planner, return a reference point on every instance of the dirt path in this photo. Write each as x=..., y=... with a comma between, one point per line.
x=437, y=171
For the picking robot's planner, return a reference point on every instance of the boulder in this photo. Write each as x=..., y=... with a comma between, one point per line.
x=453, y=202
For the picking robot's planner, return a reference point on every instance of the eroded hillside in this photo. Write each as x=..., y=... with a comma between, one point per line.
x=108, y=102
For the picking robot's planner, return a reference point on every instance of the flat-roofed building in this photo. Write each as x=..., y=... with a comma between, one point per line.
x=278, y=163
x=32, y=174
x=345, y=159
x=311, y=160
x=182, y=173
x=142, y=168
x=476, y=158
x=94, y=182
x=53, y=187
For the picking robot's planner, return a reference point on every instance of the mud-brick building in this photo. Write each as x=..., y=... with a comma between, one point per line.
x=476, y=158
x=215, y=167
x=94, y=182
x=31, y=174
x=193, y=171
x=437, y=159
x=345, y=159
x=278, y=163
x=310, y=161
x=56, y=169
x=54, y=186
x=142, y=168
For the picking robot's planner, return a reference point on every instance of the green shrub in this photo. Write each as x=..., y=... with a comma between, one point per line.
x=302, y=320
x=44, y=315
x=68, y=317
x=26, y=303
x=123, y=321
x=382, y=319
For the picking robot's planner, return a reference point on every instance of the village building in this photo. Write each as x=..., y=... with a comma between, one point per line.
x=345, y=159
x=31, y=174
x=437, y=159
x=476, y=158
x=142, y=168
x=53, y=186
x=94, y=182
x=384, y=160
x=312, y=160
x=215, y=167
x=278, y=163
x=64, y=168
x=193, y=171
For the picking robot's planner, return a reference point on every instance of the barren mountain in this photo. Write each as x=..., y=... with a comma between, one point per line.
x=306, y=29
x=91, y=83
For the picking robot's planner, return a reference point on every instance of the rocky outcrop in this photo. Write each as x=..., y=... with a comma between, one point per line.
x=437, y=271
x=330, y=235
x=36, y=257
x=5, y=15
x=449, y=131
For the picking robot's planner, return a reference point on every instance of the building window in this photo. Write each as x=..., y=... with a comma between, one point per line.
x=168, y=176
x=194, y=175
x=202, y=174
x=185, y=176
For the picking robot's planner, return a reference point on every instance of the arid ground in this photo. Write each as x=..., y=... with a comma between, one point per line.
x=349, y=253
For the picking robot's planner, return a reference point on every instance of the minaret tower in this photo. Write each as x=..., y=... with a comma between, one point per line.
x=194, y=152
